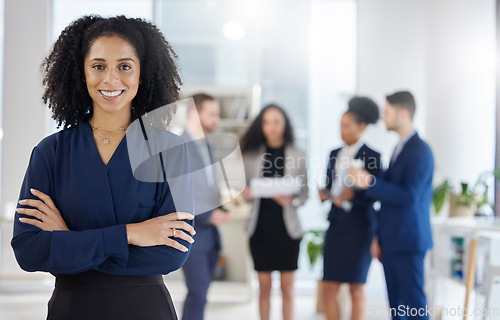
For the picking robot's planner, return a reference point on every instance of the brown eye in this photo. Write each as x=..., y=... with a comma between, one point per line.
x=125, y=67
x=98, y=67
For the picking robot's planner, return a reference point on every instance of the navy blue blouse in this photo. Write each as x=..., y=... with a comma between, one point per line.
x=96, y=201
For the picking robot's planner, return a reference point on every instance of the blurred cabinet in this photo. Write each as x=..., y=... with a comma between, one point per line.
x=464, y=270
x=238, y=105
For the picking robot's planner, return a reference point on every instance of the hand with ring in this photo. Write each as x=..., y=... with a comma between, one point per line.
x=45, y=215
x=162, y=230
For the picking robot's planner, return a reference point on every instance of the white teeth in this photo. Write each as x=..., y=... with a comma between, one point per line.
x=111, y=93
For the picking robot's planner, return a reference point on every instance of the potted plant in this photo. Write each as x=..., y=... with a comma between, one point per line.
x=315, y=241
x=469, y=200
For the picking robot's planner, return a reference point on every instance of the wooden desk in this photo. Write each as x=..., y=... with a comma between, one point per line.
x=474, y=225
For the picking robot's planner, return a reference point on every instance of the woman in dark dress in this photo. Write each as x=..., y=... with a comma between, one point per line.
x=347, y=243
x=83, y=215
x=274, y=226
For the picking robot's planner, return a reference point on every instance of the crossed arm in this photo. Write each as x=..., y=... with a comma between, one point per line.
x=43, y=242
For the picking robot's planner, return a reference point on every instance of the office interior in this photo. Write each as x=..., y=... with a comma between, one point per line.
x=310, y=57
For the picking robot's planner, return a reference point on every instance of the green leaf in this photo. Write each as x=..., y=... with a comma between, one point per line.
x=484, y=199
x=314, y=250
x=439, y=195
x=315, y=244
x=465, y=187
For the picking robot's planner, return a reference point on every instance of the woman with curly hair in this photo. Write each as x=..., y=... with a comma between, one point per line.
x=83, y=216
x=346, y=253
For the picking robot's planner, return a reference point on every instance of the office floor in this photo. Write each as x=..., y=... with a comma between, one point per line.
x=25, y=305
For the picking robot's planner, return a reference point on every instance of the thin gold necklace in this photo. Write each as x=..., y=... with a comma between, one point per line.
x=105, y=140
x=102, y=129
x=108, y=139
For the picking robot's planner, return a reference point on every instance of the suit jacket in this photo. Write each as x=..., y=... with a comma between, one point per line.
x=206, y=198
x=405, y=193
x=295, y=165
x=361, y=212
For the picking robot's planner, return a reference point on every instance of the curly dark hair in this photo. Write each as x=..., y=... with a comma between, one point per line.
x=364, y=109
x=63, y=73
x=254, y=137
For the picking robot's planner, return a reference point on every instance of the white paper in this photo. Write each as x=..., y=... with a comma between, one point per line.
x=270, y=187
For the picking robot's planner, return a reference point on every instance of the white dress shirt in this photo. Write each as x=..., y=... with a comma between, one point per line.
x=345, y=158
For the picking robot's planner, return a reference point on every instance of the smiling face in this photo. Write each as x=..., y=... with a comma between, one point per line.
x=112, y=74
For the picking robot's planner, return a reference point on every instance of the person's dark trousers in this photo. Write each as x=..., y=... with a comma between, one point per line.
x=404, y=276
x=198, y=270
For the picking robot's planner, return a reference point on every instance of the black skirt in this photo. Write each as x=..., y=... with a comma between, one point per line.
x=98, y=296
x=270, y=245
x=346, y=256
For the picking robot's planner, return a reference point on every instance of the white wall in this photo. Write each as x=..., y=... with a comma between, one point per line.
x=332, y=81
x=461, y=44
x=443, y=51
x=391, y=57
x=66, y=11
x=27, y=38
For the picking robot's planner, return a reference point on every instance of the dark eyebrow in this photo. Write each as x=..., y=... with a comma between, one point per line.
x=126, y=59
x=119, y=60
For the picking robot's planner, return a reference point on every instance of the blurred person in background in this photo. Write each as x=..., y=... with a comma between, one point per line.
x=199, y=267
x=347, y=242
x=274, y=226
x=405, y=191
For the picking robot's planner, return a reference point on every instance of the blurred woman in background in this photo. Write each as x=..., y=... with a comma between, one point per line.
x=274, y=226
x=347, y=243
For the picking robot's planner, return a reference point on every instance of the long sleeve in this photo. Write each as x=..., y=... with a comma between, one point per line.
x=177, y=196
x=156, y=259
x=404, y=194
x=62, y=251
x=373, y=166
x=104, y=248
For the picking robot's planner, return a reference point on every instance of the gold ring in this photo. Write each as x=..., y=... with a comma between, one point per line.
x=173, y=232
x=41, y=218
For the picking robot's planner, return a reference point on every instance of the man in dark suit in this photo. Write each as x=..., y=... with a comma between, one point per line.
x=199, y=268
x=405, y=192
